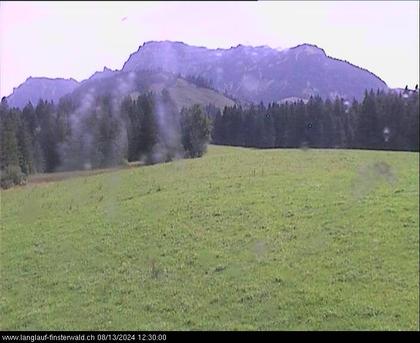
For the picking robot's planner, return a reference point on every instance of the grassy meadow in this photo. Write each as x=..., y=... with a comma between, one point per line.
x=240, y=239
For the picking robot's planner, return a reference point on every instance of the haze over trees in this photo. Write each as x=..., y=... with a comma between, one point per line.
x=57, y=137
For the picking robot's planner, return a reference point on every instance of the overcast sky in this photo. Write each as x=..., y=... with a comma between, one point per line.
x=75, y=39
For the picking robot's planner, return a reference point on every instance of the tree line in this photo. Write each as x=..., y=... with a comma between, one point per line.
x=381, y=121
x=97, y=132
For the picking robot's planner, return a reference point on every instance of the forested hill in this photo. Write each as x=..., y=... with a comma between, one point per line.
x=184, y=92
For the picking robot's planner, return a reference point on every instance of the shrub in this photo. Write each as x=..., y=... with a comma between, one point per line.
x=12, y=175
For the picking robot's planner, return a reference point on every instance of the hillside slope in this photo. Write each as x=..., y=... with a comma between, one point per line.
x=121, y=84
x=240, y=239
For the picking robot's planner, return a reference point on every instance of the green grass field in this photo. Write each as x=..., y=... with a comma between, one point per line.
x=241, y=239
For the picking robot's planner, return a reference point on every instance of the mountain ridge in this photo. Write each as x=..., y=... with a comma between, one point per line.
x=260, y=73
x=257, y=46
x=248, y=73
x=35, y=88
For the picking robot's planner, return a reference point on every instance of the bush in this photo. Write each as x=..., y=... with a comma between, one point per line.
x=12, y=175
x=124, y=162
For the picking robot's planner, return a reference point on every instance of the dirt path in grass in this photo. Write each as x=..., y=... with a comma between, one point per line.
x=59, y=176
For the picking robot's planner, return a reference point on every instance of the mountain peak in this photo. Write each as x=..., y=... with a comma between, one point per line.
x=34, y=88
x=106, y=72
x=310, y=49
x=47, y=79
x=162, y=42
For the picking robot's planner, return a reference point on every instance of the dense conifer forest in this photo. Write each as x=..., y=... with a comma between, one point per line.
x=382, y=121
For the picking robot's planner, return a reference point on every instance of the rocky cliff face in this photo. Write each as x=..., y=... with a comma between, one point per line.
x=259, y=73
